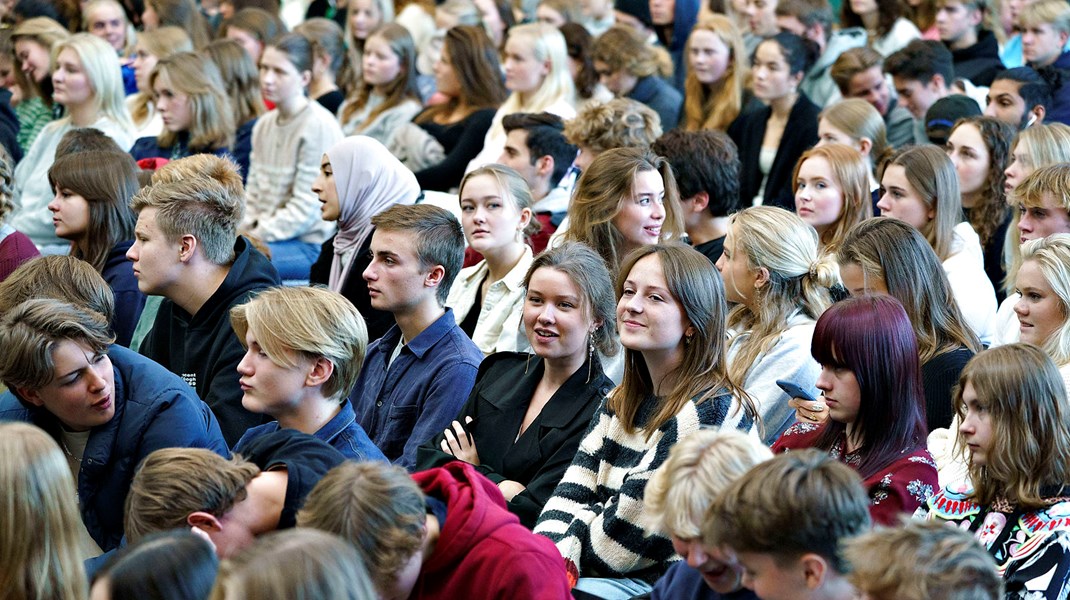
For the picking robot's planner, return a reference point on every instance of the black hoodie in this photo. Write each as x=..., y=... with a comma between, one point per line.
x=203, y=349
x=980, y=62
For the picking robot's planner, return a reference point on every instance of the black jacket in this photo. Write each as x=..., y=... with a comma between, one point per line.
x=539, y=458
x=203, y=348
x=661, y=97
x=800, y=133
x=980, y=62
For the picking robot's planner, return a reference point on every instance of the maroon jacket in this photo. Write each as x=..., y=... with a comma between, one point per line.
x=483, y=551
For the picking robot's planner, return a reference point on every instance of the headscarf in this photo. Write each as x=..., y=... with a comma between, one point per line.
x=368, y=180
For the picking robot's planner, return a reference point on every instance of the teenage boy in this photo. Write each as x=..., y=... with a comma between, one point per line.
x=1045, y=29
x=974, y=50
x=186, y=249
x=785, y=520
x=416, y=377
x=231, y=501
x=859, y=73
x=922, y=72
x=813, y=20
x=106, y=406
x=535, y=147
x=441, y=533
x=706, y=166
x=1019, y=97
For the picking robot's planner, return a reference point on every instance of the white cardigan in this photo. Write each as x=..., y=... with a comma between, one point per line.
x=970, y=286
x=498, y=328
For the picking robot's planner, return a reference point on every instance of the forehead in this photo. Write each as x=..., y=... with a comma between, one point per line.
x=552, y=281
x=399, y=242
x=1005, y=86
x=705, y=38
x=518, y=139
x=105, y=12
x=815, y=166
x=648, y=182
x=481, y=186
x=967, y=134
x=146, y=220
x=769, y=51
x=868, y=78
x=1044, y=200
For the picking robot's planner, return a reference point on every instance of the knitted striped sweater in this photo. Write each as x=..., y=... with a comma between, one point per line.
x=595, y=514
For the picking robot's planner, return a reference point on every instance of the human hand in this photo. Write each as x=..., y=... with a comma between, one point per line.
x=459, y=443
x=510, y=489
x=807, y=411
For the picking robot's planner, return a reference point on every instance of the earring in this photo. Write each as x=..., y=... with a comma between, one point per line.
x=527, y=363
x=687, y=340
x=590, y=357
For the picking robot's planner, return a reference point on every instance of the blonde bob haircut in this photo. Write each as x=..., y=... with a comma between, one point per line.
x=621, y=48
x=102, y=68
x=1034, y=148
x=716, y=106
x=1046, y=12
x=851, y=172
x=600, y=195
x=211, y=116
x=294, y=323
x=699, y=467
x=1052, y=256
x=1024, y=394
x=931, y=175
x=798, y=275
x=512, y=187
x=298, y=564
x=858, y=119
x=39, y=542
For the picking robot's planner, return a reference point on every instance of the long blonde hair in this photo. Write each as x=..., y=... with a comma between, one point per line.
x=707, y=107
x=799, y=277
x=41, y=525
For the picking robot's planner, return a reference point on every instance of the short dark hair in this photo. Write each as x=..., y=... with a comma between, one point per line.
x=920, y=60
x=546, y=137
x=808, y=12
x=799, y=53
x=1034, y=89
x=704, y=161
x=438, y=234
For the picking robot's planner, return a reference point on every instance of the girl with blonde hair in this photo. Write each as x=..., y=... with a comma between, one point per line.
x=920, y=187
x=717, y=67
x=629, y=67
x=1043, y=307
x=39, y=542
x=832, y=191
x=242, y=79
x=387, y=97
x=34, y=40
x=855, y=123
x=150, y=48
x=89, y=86
x=777, y=275
x=364, y=17
x=537, y=77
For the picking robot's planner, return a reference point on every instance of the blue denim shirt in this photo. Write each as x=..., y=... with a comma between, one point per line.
x=342, y=432
x=421, y=393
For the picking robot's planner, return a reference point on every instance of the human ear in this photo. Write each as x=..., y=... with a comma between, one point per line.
x=699, y=202
x=435, y=277
x=865, y=145
x=321, y=371
x=762, y=278
x=32, y=396
x=187, y=248
x=525, y=218
x=205, y=521
x=815, y=570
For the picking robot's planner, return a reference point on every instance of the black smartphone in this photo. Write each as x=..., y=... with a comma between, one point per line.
x=795, y=391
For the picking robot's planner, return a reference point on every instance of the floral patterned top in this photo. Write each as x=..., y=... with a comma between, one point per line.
x=1031, y=547
x=899, y=487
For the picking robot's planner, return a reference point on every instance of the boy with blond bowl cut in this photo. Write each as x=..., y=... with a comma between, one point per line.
x=304, y=349
x=921, y=561
x=786, y=519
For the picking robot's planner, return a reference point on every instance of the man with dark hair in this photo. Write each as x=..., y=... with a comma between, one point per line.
x=536, y=147
x=1019, y=97
x=922, y=73
x=813, y=20
x=706, y=166
x=417, y=377
x=974, y=50
x=859, y=73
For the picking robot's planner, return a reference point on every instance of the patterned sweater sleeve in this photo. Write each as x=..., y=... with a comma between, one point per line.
x=902, y=487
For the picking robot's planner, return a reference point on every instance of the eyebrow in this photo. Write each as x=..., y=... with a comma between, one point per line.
x=384, y=253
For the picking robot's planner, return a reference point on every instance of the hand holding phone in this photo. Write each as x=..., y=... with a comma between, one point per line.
x=807, y=408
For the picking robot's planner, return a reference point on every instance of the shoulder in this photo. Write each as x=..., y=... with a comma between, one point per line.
x=799, y=435
x=503, y=362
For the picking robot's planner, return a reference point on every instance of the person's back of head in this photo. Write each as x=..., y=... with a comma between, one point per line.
x=376, y=507
x=438, y=237
x=545, y=137
x=941, y=117
x=171, y=565
x=60, y=277
x=703, y=162
x=921, y=60
x=919, y=560
x=241, y=77
x=85, y=139
x=619, y=123
x=792, y=512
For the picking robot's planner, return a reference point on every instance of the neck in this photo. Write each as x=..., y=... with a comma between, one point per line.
x=854, y=441
x=661, y=364
x=782, y=106
x=311, y=413
x=541, y=189
x=431, y=533
x=968, y=39
x=708, y=230
x=970, y=200
x=414, y=321
x=292, y=106
x=836, y=587
x=556, y=371
x=322, y=85
x=203, y=278
x=871, y=20
x=83, y=115
x=502, y=260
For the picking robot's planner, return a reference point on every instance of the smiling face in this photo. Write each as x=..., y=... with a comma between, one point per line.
x=818, y=196
x=900, y=201
x=326, y=191
x=381, y=65
x=977, y=429
x=82, y=392
x=108, y=23
x=490, y=218
x=649, y=318
x=718, y=566
x=640, y=217
x=969, y=154
x=70, y=215
x=709, y=56
x=71, y=86
x=556, y=317
x=175, y=107
x=1040, y=311
x=33, y=59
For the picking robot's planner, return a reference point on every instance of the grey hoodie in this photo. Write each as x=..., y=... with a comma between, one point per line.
x=818, y=84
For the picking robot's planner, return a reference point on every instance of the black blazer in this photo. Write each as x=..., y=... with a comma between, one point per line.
x=800, y=133
x=538, y=460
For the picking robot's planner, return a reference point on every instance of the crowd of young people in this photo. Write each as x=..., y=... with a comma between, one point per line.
x=476, y=299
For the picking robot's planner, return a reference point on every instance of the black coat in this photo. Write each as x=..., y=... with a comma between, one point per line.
x=800, y=133
x=539, y=458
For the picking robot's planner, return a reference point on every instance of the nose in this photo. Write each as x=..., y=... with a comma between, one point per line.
x=883, y=204
x=822, y=382
x=244, y=368
x=720, y=264
x=95, y=379
x=1025, y=225
x=696, y=556
x=990, y=109
x=1021, y=308
x=657, y=212
x=803, y=195
x=547, y=315
x=370, y=274
x=967, y=427
x=131, y=254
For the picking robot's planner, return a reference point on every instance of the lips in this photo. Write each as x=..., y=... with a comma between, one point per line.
x=632, y=324
x=652, y=231
x=102, y=404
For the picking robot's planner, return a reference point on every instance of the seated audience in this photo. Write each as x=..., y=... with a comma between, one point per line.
x=832, y=191
x=107, y=19
x=1043, y=308
x=619, y=123
x=187, y=250
x=856, y=123
x=567, y=314
x=629, y=67
x=358, y=179
x=295, y=564
x=859, y=73
x=171, y=565
x=671, y=315
x=678, y=496
x=253, y=28
x=1019, y=97
x=416, y=377
x=714, y=96
x=767, y=151
x=441, y=533
x=974, y=49
x=152, y=47
x=777, y=277
x=41, y=537
x=106, y=406
x=387, y=96
x=786, y=520
x=33, y=41
x=1014, y=417
x=328, y=52
x=814, y=21
x=1045, y=27
x=234, y=501
x=706, y=167
x=922, y=73
x=304, y=349
x=871, y=383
